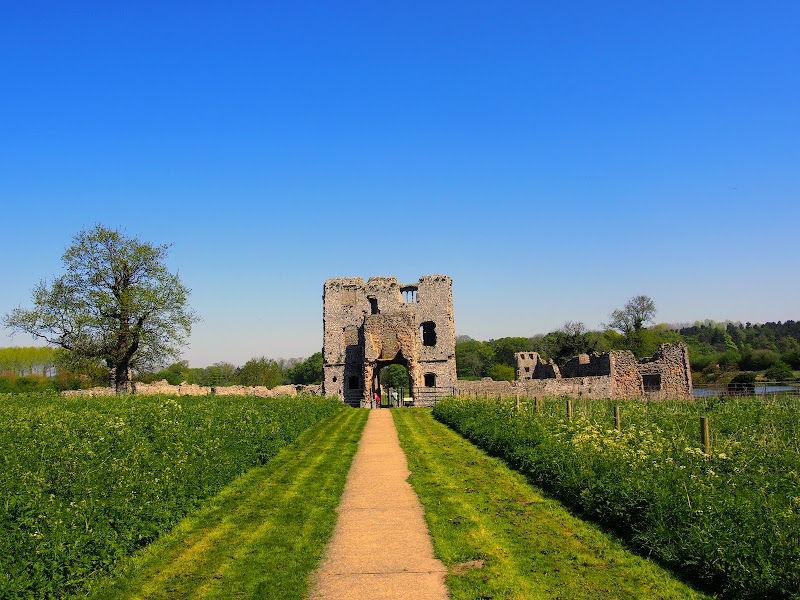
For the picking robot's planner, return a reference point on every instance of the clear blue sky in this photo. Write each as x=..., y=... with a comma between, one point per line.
x=554, y=159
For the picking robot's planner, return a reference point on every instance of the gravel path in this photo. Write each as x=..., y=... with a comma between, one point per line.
x=380, y=549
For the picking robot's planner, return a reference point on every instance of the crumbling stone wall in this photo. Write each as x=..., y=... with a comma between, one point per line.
x=670, y=368
x=370, y=325
x=576, y=387
x=529, y=365
x=625, y=375
x=191, y=389
x=614, y=374
x=587, y=365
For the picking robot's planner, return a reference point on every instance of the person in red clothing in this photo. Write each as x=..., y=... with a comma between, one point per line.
x=377, y=400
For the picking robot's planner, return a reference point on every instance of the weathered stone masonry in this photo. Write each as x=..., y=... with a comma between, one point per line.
x=615, y=374
x=368, y=326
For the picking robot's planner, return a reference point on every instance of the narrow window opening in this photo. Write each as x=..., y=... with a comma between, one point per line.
x=373, y=306
x=427, y=332
x=527, y=369
x=430, y=380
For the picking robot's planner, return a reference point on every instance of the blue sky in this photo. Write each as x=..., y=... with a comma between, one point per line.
x=553, y=159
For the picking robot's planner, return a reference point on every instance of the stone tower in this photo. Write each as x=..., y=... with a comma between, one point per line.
x=371, y=325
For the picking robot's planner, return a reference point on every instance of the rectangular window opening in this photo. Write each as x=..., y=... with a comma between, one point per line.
x=652, y=383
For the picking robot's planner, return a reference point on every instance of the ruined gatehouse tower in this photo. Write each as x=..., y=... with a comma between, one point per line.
x=368, y=326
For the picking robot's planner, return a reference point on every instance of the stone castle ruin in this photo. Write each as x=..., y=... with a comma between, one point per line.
x=369, y=326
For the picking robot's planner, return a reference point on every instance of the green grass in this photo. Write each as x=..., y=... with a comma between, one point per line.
x=531, y=547
x=85, y=482
x=262, y=535
x=729, y=519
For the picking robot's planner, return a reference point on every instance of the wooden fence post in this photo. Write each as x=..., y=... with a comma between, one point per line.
x=517, y=402
x=569, y=409
x=536, y=404
x=617, y=423
x=705, y=439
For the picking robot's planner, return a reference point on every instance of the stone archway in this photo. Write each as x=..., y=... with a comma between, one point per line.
x=389, y=339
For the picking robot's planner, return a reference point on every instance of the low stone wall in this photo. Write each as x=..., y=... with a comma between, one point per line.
x=90, y=392
x=192, y=389
x=164, y=387
x=577, y=387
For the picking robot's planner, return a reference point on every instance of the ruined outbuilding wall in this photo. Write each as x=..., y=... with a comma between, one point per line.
x=529, y=365
x=615, y=374
x=368, y=325
x=577, y=387
x=671, y=363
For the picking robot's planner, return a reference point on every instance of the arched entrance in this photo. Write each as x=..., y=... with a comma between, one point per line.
x=393, y=380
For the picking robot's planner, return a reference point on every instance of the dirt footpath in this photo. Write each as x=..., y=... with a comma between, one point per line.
x=380, y=549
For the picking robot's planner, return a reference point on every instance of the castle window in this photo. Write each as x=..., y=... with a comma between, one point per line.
x=527, y=369
x=427, y=332
x=430, y=380
x=652, y=383
x=409, y=293
x=349, y=295
x=351, y=335
x=373, y=306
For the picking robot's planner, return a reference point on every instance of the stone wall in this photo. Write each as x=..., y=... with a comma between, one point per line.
x=576, y=387
x=615, y=374
x=670, y=367
x=529, y=365
x=190, y=389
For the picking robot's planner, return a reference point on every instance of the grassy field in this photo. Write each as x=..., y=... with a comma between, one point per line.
x=86, y=482
x=501, y=538
x=728, y=518
x=258, y=538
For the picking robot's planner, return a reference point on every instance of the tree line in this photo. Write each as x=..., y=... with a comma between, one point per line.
x=259, y=371
x=718, y=351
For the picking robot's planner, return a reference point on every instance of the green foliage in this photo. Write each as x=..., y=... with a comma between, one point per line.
x=308, y=372
x=572, y=339
x=28, y=360
x=505, y=348
x=474, y=359
x=729, y=519
x=259, y=371
x=632, y=318
x=394, y=376
x=116, y=303
x=780, y=371
x=87, y=481
x=264, y=533
x=530, y=546
x=502, y=373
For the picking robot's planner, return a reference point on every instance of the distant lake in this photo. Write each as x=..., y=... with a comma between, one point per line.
x=759, y=389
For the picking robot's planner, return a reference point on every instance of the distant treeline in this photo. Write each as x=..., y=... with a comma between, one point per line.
x=28, y=360
x=37, y=369
x=717, y=351
x=256, y=371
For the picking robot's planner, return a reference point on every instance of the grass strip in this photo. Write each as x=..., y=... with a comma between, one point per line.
x=501, y=538
x=261, y=536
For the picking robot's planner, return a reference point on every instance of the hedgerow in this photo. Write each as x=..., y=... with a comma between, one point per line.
x=87, y=481
x=729, y=519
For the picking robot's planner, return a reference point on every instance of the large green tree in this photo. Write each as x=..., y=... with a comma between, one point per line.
x=631, y=321
x=117, y=303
